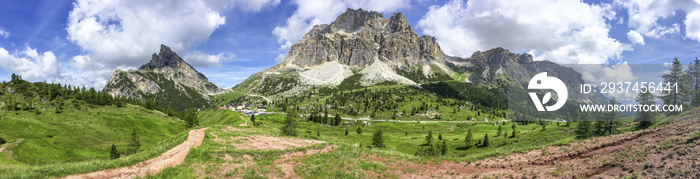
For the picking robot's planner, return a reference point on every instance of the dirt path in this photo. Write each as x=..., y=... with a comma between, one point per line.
x=245, y=121
x=172, y=157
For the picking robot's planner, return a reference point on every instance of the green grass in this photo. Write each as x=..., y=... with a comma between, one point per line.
x=63, y=169
x=79, y=139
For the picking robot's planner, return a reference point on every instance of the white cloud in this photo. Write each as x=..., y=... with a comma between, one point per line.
x=564, y=31
x=314, y=12
x=117, y=33
x=30, y=64
x=4, y=33
x=255, y=5
x=635, y=37
x=692, y=25
x=645, y=17
x=124, y=34
x=280, y=57
x=200, y=59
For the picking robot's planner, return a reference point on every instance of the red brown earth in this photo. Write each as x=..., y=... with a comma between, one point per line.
x=663, y=152
x=172, y=157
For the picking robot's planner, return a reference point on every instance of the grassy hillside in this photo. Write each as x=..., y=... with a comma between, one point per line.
x=55, y=130
x=79, y=135
x=219, y=156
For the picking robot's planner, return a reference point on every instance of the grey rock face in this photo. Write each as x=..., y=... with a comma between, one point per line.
x=357, y=38
x=166, y=64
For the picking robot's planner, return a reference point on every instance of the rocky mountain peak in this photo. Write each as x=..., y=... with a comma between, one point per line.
x=167, y=79
x=397, y=23
x=352, y=20
x=164, y=58
x=499, y=57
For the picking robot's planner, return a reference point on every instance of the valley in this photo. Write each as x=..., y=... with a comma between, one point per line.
x=361, y=97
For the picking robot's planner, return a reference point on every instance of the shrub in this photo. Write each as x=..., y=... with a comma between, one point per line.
x=378, y=140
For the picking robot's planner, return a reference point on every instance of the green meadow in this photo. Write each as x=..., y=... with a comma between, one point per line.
x=78, y=139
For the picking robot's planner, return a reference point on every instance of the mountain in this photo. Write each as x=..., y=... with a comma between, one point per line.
x=360, y=48
x=500, y=66
x=166, y=79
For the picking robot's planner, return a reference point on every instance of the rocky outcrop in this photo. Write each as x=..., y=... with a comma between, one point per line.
x=358, y=43
x=167, y=79
x=357, y=38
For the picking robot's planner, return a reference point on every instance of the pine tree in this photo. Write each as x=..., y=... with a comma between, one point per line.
x=675, y=96
x=429, y=138
x=583, y=129
x=337, y=119
x=576, y=117
x=135, y=142
x=113, y=153
x=611, y=117
x=59, y=105
x=498, y=133
x=346, y=131
x=599, y=128
x=318, y=133
x=377, y=140
x=469, y=139
x=290, y=123
x=486, y=141
x=694, y=79
x=644, y=118
x=439, y=136
x=359, y=130
x=252, y=118
x=443, y=148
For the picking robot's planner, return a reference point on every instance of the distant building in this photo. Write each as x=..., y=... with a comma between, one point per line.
x=262, y=109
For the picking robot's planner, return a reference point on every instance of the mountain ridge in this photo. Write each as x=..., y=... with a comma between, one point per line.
x=166, y=79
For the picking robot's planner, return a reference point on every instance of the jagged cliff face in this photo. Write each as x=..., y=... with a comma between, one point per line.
x=358, y=38
x=359, y=48
x=363, y=48
x=167, y=79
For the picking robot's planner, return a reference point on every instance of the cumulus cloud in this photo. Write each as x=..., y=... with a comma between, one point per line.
x=4, y=33
x=635, y=37
x=567, y=31
x=30, y=64
x=128, y=32
x=200, y=59
x=645, y=17
x=124, y=34
x=314, y=12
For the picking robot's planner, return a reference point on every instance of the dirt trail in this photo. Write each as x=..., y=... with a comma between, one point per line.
x=172, y=157
x=245, y=121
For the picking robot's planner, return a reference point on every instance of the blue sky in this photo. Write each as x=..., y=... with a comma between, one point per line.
x=83, y=42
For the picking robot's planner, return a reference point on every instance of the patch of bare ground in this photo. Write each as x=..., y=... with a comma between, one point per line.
x=288, y=162
x=245, y=122
x=172, y=157
x=8, y=147
x=237, y=166
x=663, y=152
x=262, y=142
